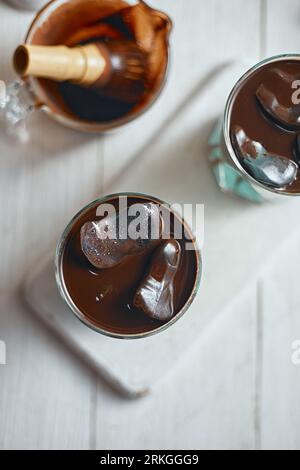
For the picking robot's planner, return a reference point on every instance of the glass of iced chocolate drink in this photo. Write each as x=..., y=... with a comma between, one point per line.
x=128, y=265
x=260, y=143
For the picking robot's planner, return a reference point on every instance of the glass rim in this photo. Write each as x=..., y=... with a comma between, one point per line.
x=227, y=116
x=67, y=297
x=93, y=126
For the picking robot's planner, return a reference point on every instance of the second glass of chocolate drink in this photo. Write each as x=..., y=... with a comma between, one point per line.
x=128, y=265
x=261, y=127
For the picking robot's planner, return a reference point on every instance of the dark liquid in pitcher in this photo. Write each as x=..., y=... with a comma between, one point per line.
x=80, y=22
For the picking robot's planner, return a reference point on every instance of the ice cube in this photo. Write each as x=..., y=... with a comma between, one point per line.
x=272, y=170
x=3, y=94
x=287, y=116
x=244, y=145
x=269, y=169
x=107, y=242
x=155, y=295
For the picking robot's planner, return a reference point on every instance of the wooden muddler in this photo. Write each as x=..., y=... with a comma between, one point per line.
x=84, y=65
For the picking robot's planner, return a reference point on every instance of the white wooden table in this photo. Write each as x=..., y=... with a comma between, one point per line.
x=240, y=389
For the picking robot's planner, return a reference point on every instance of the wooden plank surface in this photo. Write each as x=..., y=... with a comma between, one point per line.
x=46, y=395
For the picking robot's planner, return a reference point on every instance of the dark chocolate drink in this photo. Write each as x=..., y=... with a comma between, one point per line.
x=127, y=287
x=265, y=124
